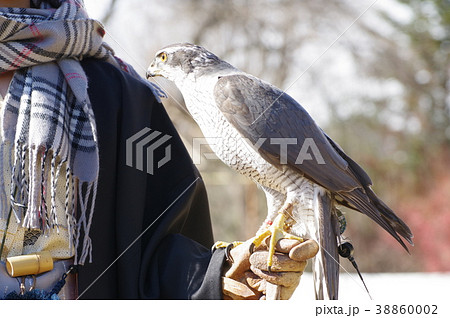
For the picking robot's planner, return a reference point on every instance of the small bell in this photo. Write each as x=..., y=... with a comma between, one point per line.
x=346, y=251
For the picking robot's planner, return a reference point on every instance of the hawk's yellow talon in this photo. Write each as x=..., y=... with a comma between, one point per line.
x=277, y=232
x=227, y=246
x=222, y=244
x=259, y=238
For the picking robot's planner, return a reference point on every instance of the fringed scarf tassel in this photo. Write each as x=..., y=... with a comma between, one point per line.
x=48, y=117
x=34, y=183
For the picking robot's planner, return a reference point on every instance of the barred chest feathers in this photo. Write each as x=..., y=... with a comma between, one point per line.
x=227, y=143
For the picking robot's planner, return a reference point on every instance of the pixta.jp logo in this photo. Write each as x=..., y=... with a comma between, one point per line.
x=144, y=147
x=300, y=150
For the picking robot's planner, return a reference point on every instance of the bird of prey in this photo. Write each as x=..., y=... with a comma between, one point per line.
x=269, y=137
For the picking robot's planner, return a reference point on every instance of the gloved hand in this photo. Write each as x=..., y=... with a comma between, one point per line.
x=247, y=277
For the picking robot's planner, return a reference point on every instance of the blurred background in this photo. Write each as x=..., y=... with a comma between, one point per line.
x=375, y=75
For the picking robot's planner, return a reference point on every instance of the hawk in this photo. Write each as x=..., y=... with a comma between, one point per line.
x=263, y=133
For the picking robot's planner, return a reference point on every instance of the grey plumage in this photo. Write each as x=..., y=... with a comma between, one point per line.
x=256, y=115
x=244, y=101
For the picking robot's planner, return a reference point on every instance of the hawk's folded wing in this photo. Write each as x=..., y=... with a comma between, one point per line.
x=259, y=110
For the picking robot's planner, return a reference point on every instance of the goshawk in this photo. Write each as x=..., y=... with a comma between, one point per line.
x=264, y=134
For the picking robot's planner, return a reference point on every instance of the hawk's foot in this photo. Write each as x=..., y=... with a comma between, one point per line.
x=276, y=231
x=222, y=244
x=227, y=246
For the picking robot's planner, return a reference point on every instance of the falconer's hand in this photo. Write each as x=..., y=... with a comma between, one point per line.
x=247, y=276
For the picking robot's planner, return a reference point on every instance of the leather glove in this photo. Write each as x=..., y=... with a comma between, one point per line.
x=246, y=276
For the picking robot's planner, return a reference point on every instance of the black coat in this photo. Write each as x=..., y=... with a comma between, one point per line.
x=151, y=234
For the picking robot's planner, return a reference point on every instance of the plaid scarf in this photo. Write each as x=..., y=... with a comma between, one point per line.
x=47, y=117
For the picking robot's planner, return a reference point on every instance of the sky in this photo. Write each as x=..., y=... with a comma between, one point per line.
x=96, y=8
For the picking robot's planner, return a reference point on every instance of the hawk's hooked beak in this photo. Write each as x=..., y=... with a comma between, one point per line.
x=152, y=70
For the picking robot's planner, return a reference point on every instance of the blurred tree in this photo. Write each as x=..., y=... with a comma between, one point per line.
x=408, y=148
x=416, y=121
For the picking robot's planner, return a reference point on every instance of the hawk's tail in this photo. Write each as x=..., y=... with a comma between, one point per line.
x=368, y=203
x=326, y=263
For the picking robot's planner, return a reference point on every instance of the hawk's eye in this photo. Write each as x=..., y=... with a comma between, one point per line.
x=163, y=56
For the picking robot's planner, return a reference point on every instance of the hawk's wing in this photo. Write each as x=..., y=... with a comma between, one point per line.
x=259, y=110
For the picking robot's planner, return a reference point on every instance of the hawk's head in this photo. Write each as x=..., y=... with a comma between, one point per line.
x=177, y=61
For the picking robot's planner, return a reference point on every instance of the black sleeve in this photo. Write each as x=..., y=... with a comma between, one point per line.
x=135, y=211
x=184, y=269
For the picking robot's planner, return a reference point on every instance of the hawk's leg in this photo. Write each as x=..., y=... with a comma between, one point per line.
x=276, y=231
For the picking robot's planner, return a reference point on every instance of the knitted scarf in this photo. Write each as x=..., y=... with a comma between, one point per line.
x=47, y=117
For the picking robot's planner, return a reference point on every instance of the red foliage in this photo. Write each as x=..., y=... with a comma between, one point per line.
x=428, y=216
